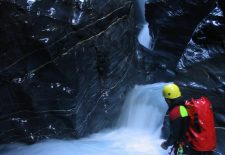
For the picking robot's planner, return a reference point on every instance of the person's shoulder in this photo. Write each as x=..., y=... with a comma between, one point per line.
x=174, y=113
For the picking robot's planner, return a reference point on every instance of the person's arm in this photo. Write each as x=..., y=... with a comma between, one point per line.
x=176, y=129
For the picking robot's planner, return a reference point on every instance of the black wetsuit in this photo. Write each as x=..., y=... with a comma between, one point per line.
x=178, y=126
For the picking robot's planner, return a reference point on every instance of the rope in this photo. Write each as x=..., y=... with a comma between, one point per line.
x=171, y=151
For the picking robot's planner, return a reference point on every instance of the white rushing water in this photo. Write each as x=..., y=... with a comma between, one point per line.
x=137, y=132
x=140, y=10
x=143, y=37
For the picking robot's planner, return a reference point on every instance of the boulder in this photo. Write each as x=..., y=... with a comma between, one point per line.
x=64, y=67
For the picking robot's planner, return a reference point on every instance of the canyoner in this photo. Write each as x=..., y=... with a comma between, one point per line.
x=192, y=128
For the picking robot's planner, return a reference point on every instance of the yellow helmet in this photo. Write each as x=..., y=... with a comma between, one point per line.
x=171, y=91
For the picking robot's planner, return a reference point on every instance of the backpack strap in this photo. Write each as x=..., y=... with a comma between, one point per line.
x=178, y=112
x=183, y=111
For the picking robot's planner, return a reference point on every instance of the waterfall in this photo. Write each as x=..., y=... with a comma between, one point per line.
x=144, y=38
x=137, y=132
x=141, y=104
x=140, y=9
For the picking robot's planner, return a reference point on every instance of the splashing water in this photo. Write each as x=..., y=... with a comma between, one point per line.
x=137, y=132
x=140, y=9
x=30, y=4
x=141, y=104
x=144, y=37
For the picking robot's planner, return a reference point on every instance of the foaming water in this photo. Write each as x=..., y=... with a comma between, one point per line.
x=137, y=132
x=144, y=108
x=144, y=37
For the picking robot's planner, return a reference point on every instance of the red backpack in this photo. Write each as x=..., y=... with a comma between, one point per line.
x=201, y=134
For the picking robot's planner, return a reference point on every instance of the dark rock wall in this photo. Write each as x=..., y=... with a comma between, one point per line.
x=207, y=41
x=190, y=35
x=65, y=67
x=171, y=24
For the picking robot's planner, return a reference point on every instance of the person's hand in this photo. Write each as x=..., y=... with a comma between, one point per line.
x=163, y=145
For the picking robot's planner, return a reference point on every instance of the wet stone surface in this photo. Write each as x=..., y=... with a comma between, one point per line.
x=64, y=67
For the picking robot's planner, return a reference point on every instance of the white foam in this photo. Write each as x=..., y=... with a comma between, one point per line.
x=137, y=132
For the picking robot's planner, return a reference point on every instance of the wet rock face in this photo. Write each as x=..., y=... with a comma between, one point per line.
x=172, y=23
x=194, y=34
x=208, y=39
x=64, y=67
x=201, y=66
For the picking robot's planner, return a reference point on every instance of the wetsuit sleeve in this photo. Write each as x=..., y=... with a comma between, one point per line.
x=176, y=129
x=178, y=125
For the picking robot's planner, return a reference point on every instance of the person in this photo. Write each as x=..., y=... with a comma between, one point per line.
x=187, y=135
x=178, y=117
